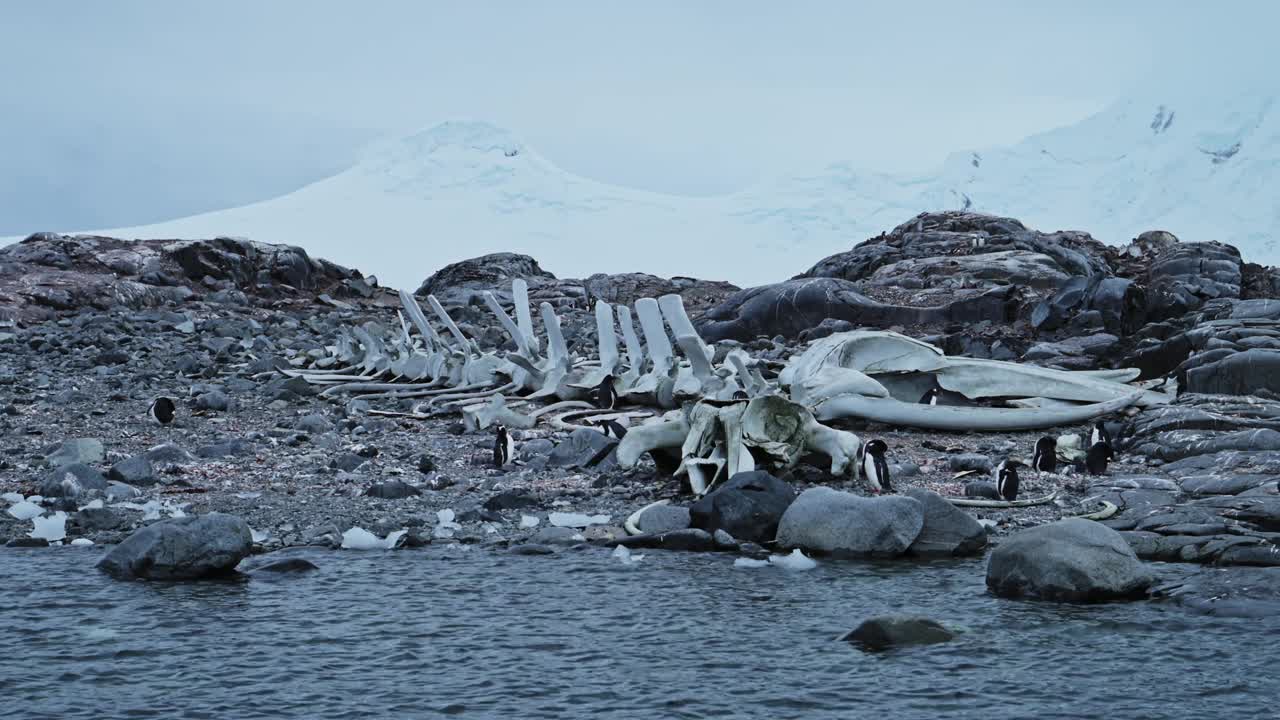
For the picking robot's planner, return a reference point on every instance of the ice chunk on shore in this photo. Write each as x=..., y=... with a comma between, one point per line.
x=795, y=561
x=750, y=563
x=26, y=510
x=529, y=521
x=623, y=554
x=12, y=497
x=357, y=538
x=93, y=505
x=81, y=542
x=576, y=520
x=52, y=528
x=258, y=536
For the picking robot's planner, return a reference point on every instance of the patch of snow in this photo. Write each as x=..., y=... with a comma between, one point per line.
x=51, y=528
x=795, y=561
x=25, y=510
x=624, y=556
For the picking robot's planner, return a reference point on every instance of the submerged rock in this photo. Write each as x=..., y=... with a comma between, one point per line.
x=183, y=548
x=881, y=633
x=1073, y=560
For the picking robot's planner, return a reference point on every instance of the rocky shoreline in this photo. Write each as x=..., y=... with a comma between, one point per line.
x=93, y=329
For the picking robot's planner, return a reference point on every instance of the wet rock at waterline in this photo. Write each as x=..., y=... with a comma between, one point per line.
x=841, y=523
x=185, y=548
x=1070, y=560
x=947, y=530
x=749, y=507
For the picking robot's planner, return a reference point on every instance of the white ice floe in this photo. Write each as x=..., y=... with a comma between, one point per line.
x=52, y=528
x=529, y=521
x=625, y=557
x=750, y=563
x=25, y=510
x=576, y=520
x=795, y=561
x=12, y=497
x=357, y=538
x=81, y=542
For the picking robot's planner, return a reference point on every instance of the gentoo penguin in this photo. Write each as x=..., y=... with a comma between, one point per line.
x=162, y=410
x=874, y=465
x=1046, y=455
x=606, y=396
x=1099, y=434
x=930, y=397
x=1096, y=460
x=611, y=427
x=503, y=446
x=1007, y=479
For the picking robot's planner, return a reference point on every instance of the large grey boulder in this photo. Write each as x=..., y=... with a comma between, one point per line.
x=1072, y=560
x=842, y=523
x=948, y=530
x=183, y=548
x=584, y=448
x=749, y=507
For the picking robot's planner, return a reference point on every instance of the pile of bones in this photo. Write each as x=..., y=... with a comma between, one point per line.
x=705, y=415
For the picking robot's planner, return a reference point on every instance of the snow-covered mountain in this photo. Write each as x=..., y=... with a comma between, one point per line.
x=1204, y=170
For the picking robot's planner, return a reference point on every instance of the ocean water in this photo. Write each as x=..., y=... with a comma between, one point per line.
x=482, y=634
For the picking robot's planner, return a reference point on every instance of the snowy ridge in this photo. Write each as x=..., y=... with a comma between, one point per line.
x=1203, y=170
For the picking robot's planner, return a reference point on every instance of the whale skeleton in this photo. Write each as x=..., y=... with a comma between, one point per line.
x=720, y=414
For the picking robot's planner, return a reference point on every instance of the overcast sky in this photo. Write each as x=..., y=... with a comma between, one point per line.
x=130, y=111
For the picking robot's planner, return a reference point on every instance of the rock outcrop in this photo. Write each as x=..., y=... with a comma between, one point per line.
x=185, y=548
x=748, y=506
x=841, y=523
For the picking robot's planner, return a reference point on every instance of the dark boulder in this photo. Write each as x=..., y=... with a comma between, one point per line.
x=748, y=507
x=458, y=281
x=394, y=490
x=948, y=530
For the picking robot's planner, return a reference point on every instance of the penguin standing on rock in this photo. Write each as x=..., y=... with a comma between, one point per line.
x=874, y=466
x=503, y=446
x=1007, y=479
x=1100, y=453
x=1046, y=455
x=930, y=397
x=162, y=410
x=606, y=396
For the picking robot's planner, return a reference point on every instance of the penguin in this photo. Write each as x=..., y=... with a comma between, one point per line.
x=741, y=395
x=611, y=427
x=1007, y=480
x=1046, y=455
x=930, y=397
x=1099, y=434
x=1100, y=454
x=606, y=396
x=503, y=446
x=162, y=410
x=874, y=465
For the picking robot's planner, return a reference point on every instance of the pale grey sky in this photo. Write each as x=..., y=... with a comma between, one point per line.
x=124, y=112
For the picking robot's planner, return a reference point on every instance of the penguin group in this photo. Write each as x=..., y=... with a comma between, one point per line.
x=162, y=410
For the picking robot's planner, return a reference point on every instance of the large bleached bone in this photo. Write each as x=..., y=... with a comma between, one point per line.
x=959, y=419
x=608, y=339
x=557, y=350
x=635, y=355
x=672, y=307
x=668, y=432
x=419, y=320
x=655, y=335
x=520, y=296
x=517, y=335
x=463, y=343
